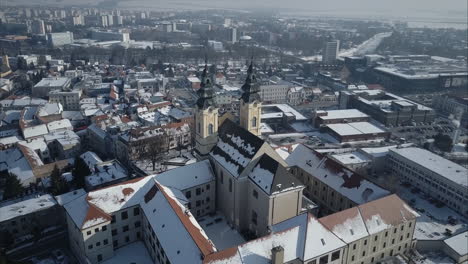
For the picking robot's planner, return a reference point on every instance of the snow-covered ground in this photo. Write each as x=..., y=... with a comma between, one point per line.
x=433, y=222
x=434, y=258
x=219, y=232
x=367, y=47
x=133, y=253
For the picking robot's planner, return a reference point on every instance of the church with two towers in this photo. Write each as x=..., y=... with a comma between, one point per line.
x=254, y=190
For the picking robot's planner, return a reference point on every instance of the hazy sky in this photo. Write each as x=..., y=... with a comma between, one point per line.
x=388, y=8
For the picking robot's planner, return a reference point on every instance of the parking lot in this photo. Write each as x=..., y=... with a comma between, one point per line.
x=420, y=131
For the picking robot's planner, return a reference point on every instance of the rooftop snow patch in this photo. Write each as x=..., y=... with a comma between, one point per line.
x=187, y=176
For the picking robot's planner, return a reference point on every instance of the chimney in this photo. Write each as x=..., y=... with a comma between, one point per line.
x=277, y=255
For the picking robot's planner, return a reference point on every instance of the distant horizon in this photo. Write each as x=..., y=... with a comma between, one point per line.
x=431, y=13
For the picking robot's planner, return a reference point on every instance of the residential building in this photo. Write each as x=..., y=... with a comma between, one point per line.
x=23, y=218
x=330, y=52
x=454, y=105
x=389, y=109
x=46, y=85
x=435, y=176
x=69, y=99
x=366, y=234
x=38, y=27
x=328, y=183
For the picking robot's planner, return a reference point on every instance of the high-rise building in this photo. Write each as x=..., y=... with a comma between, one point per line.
x=330, y=51
x=232, y=35
x=110, y=20
x=118, y=20
x=104, y=21
x=38, y=27
x=78, y=20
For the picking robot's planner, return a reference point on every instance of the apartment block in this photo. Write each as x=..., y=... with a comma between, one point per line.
x=439, y=178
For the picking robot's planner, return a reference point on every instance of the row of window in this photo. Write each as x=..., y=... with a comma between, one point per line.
x=124, y=214
x=98, y=244
x=198, y=191
x=103, y=228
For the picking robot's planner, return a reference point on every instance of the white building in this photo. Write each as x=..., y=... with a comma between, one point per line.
x=60, y=38
x=442, y=179
x=69, y=99
x=46, y=85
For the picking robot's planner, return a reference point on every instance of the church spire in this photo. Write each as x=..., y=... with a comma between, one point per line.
x=205, y=93
x=251, y=87
x=251, y=103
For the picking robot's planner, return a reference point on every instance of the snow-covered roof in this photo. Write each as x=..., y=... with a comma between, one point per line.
x=53, y=82
x=235, y=148
x=9, y=140
x=458, y=243
x=438, y=165
x=258, y=251
x=50, y=109
x=119, y=196
x=69, y=196
x=20, y=162
x=381, y=151
x=271, y=177
x=90, y=158
x=35, y=131
x=36, y=144
x=305, y=237
x=187, y=176
x=385, y=213
x=355, y=128
x=342, y=114
x=282, y=109
x=336, y=176
x=25, y=207
x=105, y=172
x=180, y=235
x=64, y=138
x=314, y=239
x=59, y=125
x=351, y=158
x=348, y=224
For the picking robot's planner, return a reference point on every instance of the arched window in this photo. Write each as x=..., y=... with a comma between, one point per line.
x=210, y=129
x=254, y=121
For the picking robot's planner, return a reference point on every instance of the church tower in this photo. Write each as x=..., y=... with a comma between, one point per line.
x=206, y=117
x=250, y=103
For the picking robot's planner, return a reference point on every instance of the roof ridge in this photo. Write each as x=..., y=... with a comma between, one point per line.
x=204, y=249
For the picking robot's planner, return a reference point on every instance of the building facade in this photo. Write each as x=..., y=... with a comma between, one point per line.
x=437, y=177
